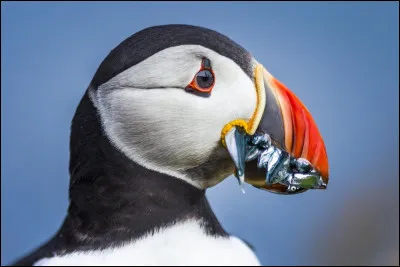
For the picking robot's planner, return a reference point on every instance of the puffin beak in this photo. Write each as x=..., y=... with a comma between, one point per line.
x=290, y=126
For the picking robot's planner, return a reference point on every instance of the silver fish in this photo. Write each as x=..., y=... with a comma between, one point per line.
x=297, y=175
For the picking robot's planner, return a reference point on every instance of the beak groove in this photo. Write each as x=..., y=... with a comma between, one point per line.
x=284, y=118
x=301, y=135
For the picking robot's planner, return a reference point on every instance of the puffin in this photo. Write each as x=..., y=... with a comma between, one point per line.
x=147, y=141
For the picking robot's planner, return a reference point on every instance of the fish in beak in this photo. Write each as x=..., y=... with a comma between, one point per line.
x=280, y=148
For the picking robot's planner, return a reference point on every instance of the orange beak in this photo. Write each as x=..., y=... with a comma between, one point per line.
x=281, y=115
x=293, y=128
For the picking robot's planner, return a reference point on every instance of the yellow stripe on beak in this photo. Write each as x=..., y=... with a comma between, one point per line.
x=251, y=125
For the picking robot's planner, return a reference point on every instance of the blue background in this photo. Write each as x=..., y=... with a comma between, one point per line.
x=341, y=59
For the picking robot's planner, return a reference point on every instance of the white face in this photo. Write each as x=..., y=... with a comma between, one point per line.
x=148, y=115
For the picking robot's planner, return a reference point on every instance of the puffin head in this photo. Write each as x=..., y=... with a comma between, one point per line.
x=167, y=95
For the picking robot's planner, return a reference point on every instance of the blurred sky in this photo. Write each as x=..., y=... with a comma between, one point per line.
x=341, y=59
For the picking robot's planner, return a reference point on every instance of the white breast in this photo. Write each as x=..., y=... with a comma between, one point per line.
x=181, y=244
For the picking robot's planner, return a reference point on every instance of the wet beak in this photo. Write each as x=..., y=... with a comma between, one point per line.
x=293, y=128
x=290, y=126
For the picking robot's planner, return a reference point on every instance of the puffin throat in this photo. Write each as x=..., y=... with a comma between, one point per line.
x=109, y=192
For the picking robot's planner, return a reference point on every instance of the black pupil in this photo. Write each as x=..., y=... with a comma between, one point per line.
x=204, y=78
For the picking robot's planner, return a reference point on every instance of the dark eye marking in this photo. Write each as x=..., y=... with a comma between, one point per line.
x=204, y=80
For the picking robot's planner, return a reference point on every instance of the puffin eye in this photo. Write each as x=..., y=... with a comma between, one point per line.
x=204, y=80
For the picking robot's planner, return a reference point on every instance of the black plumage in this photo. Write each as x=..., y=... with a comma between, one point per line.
x=113, y=199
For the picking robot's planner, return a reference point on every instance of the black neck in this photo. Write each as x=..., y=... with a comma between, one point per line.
x=114, y=200
x=111, y=195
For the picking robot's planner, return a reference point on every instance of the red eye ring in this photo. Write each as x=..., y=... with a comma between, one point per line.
x=204, y=79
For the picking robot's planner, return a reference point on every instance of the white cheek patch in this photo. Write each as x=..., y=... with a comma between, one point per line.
x=169, y=130
x=161, y=124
